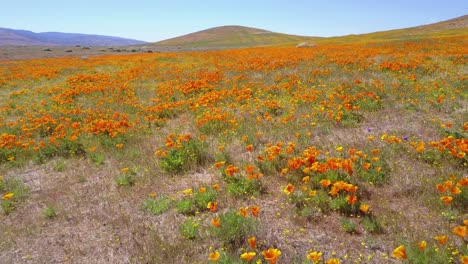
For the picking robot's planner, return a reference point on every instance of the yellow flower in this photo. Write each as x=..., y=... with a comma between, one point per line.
x=187, y=192
x=314, y=256
x=248, y=256
x=333, y=261
x=12, y=158
x=364, y=208
x=400, y=252
x=271, y=255
x=460, y=231
x=214, y=256
x=441, y=239
x=124, y=170
x=8, y=196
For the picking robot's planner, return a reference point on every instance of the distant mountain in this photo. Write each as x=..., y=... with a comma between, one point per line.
x=232, y=36
x=13, y=37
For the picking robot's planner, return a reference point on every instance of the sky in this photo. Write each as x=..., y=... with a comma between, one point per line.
x=158, y=20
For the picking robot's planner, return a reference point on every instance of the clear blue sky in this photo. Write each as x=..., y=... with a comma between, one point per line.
x=157, y=20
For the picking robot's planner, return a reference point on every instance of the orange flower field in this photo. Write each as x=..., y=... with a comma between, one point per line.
x=340, y=153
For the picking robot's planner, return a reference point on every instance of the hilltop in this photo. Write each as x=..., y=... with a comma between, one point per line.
x=232, y=37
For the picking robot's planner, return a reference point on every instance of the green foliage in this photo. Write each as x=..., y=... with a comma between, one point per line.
x=185, y=206
x=59, y=166
x=372, y=224
x=17, y=188
x=190, y=228
x=191, y=154
x=242, y=187
x=97, y=158
x=234, y=229
x=201, y=199
x=157, y=206
x=432, y=254
x=348, y=226
x=50, y=212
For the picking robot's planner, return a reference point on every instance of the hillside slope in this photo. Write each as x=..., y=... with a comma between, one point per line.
x=232, y=36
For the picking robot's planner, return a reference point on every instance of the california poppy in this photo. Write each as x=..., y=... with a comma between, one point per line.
x=216, y=222
x=459, y=231
x=255, y=210
x=314, y=256
x=271, y=255
x=446, y=199
x=400, y=252
x=214, y=256
x=252, y=242
x=289, y=189
x=422, y=245
x=441, y=239
x=248, y=256
x=8, y=196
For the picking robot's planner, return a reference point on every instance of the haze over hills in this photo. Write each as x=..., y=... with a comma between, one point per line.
x=13, y=37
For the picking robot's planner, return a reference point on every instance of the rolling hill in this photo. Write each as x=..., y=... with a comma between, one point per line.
x=452, y=27
x=239, y=36
x=232, y=37
x=13, y=37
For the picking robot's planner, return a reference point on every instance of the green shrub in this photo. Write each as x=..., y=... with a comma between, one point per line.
x=157, y=206
x=234, y=229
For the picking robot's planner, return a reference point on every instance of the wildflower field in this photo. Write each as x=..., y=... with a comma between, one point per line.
x=340, y=153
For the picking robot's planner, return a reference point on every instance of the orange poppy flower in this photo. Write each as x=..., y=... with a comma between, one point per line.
x=289, y=189
x=441, y=239
x=352, y=199
x=219, y=164
x=216, y=222
x=400, y=252
x=213, y=206
x=441, y=188
x=314, y=256
x=249, y=148
x=460, y=231
x=248, y=256
x=446, y=199
x=325, y=183
x=465, y=222
x=252, y=242
x=464, y=259
x=312, y=193
x=243, y=211
x=214, y=256
x=366, y=165
x=422, y=245
x=271, y=255
x=255, y=210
